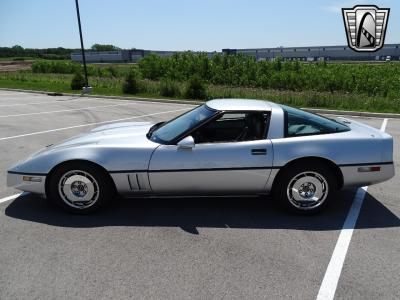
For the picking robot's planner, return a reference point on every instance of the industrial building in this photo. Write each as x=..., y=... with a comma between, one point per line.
x=327, y=53
x=121, y=56
x=344, y=53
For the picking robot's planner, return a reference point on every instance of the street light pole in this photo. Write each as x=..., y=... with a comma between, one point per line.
x=86, y=88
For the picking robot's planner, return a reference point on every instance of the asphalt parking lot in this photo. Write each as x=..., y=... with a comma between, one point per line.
x=208, y=248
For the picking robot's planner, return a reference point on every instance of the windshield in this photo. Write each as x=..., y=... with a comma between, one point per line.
x=171, y=130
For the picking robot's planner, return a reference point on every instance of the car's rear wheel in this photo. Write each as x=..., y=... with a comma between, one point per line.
x=80, y=188
x=306, y=188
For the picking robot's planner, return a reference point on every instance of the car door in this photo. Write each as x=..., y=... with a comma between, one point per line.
x=223, y=167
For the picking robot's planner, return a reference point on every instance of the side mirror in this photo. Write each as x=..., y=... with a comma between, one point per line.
x=186, y=143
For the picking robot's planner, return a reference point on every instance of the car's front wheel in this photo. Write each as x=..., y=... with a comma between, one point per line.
x=80, y=188
x=306, y=188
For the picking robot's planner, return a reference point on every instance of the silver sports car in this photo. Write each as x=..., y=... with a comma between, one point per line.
x=224, y=147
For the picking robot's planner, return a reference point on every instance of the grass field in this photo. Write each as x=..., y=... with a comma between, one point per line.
x=18, y=58
x=112, y=86
x=361, y=87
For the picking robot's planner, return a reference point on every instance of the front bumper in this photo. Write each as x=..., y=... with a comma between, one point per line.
x=354, y=176
x=33, y=183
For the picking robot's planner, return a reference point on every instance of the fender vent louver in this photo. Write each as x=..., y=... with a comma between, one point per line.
x=138, y=182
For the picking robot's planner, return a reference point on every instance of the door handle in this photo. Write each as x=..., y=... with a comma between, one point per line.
x=262, y=151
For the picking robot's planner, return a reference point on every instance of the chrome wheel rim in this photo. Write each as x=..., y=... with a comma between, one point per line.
x=78, y=189
x=307, y=190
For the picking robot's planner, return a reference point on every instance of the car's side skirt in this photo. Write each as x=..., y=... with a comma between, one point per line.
x=228, y=179
x=198, y=181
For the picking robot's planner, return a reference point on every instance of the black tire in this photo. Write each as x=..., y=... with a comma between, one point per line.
x=294, y=176
x=99, y=184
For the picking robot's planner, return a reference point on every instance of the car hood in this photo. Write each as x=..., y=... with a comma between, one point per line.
x=113, y=146
x=127, y=134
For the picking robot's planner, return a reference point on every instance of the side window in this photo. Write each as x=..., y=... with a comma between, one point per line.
x=300, y=123
x=233, y=127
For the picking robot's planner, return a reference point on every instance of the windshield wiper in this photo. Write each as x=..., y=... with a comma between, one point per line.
x=153, y=128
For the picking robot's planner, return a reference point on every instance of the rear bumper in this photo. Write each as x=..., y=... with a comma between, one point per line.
x=358, y=175
x=27, y=182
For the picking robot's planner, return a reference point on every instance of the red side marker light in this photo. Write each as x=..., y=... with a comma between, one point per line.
x=369, y=169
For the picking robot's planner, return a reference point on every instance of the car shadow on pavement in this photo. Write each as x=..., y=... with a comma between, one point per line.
x=192, y=213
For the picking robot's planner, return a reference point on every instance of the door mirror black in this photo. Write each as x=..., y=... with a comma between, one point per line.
x=186, y=143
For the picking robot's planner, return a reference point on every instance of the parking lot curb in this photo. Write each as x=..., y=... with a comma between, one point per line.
x=353, y=113
x=194, y=102
x=184, y=101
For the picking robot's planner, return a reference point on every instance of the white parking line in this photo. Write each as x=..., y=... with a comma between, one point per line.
x=43, y=102
x=332, y=274
x=67, y=110
x=90, y=124
x=384, y=124
x=10, y=198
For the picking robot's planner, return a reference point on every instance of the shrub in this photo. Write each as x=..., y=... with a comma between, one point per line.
x=61, y=67
x=113, y=71
x=78, y=81
x=241, y=70
x=152, y=66
x=196, y=88
x=169, y=88
x=131, y=84
x=278, y=64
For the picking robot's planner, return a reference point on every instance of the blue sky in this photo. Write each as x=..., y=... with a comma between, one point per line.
x=181, y=24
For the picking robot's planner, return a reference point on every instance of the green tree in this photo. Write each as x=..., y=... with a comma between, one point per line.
x=100, y=47
x=17, y=48
x=153, y=67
